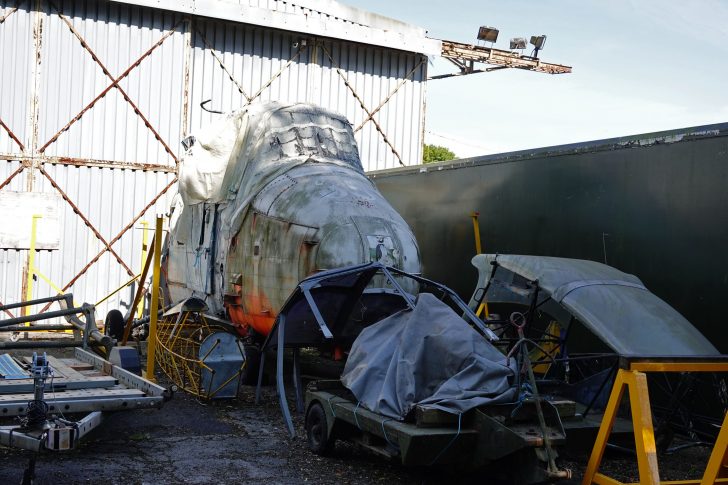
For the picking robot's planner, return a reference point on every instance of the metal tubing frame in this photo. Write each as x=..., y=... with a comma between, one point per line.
x=634, y=380
x=14, y=437
x=50, y=299
x=42, y=316
x=128, y=378
x=280, y=386
x=37, y=328
x=297, y=381
x=88, y=328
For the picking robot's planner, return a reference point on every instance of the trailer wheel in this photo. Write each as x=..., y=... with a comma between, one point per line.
x=317, y=430
x=114, y=325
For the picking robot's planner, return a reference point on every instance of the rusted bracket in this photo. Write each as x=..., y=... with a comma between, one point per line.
x=114, y=84
x=361, y=104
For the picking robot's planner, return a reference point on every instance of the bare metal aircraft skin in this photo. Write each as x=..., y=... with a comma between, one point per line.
x=269, y=196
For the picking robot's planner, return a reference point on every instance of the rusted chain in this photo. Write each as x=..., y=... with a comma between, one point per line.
x=114, y=84
x=222, y=65
x=386, y=100
x=276, y=75
x=118, y=236
x=85, y=220
x=11, y=177
x=12, y=11
x=362, y=105
x=12, y=135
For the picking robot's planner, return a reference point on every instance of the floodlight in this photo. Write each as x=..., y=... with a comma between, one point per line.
x=538, y=41
x=518, y=43
x=488, y=34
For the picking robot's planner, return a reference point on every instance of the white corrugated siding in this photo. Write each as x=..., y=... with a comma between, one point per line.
x=109, y=199
x=16, y=46
x=71, y=79
x=68, y=79
x=252, y=56
x=11, y=261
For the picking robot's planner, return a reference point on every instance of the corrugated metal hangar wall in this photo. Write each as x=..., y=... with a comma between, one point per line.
x=95, y=97
x=652, y=205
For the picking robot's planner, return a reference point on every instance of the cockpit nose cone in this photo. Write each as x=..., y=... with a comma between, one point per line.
x=368, y=239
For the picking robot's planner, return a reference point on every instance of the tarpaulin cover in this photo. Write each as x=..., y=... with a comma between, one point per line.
x=225, y=171
x=429, y=357
x=614, y=305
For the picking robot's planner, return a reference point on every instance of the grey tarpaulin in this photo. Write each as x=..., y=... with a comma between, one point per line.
x=615, y=306
x=430, y=357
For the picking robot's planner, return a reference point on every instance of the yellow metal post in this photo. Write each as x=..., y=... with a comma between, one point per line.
x=145, y=249
x=476, y=229
x=634, y=381
x=610, y=413
x=478, y=250
x=716, y=467
x=31, y=262
x=639, y=400
x=154, y=304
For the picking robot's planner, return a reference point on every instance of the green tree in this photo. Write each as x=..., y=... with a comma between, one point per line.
x=436, y=153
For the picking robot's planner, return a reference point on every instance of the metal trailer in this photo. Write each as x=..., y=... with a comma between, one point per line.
x=318, y=315
x=85, y=383
x=49, y=401
x=504, y=433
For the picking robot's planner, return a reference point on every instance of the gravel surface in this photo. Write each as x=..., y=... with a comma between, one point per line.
x=237, y=441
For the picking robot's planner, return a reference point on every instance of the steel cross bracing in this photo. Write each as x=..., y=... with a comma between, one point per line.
x=465, y=56
x=31, y=152
x=114, y=84
x=370, y=114
x=264, y=86
x=33, y=157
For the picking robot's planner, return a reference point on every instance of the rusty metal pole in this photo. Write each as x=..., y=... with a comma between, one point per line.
x=154, y=305
x=145, y=250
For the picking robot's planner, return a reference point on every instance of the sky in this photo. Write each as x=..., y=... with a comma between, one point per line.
x=639, y=66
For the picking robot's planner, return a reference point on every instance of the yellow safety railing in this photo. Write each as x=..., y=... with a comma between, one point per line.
x=633, y=380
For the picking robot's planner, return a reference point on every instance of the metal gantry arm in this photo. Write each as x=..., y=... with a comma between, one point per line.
x=465, y=56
